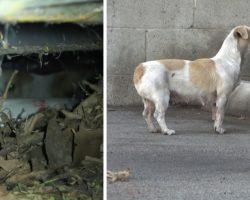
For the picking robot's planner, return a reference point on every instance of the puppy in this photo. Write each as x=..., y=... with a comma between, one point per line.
x=209, y=80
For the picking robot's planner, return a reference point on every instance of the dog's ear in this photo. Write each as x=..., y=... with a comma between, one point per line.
x=241, y=32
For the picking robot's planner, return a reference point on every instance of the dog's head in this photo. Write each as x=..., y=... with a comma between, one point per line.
x=241, y=32
x=242, y=36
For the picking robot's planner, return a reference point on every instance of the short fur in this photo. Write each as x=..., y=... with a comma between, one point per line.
x=139, y=71
x=210, y=81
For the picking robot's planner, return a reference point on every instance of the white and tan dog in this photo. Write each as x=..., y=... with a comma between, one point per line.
x=209, y=80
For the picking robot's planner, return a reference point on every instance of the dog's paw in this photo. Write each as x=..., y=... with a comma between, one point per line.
x=220, y=130
x=169, y=132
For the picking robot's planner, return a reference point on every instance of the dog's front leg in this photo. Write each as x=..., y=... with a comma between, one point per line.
x=220, y=112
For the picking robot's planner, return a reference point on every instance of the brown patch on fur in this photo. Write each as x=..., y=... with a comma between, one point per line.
x=203, y=75
x=139, y=71
x=173, y=64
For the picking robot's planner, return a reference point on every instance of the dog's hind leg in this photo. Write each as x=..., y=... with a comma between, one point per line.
x=161, y=104
x=211, y=102
x=214, y=109
x=148, y=113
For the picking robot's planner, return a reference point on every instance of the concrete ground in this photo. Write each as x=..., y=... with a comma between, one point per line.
x=194, y=164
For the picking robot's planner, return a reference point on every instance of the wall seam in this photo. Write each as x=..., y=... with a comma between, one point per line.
x=113, y=13
x=194, y=9
x=146, y=32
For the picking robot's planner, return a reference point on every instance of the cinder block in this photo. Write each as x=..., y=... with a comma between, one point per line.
x=140, y=30
x=152, y=14
x=121, y=91
x=126, y=49
x=110, y=12
x=221, y=14
x=184, y=43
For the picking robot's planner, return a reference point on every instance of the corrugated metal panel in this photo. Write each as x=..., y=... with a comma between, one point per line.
x=52, y=11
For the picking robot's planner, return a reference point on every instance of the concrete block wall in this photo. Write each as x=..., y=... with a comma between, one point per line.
x=140, y=30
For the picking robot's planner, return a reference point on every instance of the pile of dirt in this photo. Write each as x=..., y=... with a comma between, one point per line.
x=54, y=154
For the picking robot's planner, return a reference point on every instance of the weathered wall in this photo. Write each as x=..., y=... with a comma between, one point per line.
x=140, y=30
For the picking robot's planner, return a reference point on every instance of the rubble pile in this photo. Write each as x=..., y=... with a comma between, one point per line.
x=54, y=154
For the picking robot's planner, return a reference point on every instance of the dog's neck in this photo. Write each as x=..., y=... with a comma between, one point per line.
x=230, y=51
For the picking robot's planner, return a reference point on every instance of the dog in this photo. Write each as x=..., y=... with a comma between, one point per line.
x=208, y=80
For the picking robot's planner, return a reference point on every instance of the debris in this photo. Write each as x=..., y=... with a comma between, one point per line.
x=85, y=143
x=91, y=109
x=9, y=196
x=10, y=165
x=54, y=153
x=5, y=94
x=30, y=124
x=3, y=191
x=92, y=159
x=28, y=178
x=35, y=138
x=118, y=176
x=71, y=115
x=58, y=144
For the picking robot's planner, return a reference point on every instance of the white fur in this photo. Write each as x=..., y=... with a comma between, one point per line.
x=156, y=84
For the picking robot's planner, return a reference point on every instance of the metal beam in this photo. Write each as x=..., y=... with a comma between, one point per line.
x=43, y=38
